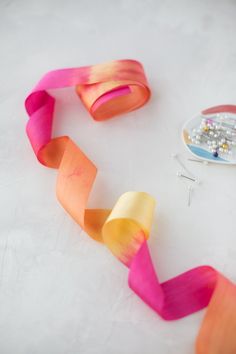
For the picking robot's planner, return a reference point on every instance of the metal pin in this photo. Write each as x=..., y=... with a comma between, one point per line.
x=180, y=174
x=190, y=189
x=200, y=161
x=176, y=157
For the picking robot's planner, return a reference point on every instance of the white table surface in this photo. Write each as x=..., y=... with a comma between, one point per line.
x=61, y=292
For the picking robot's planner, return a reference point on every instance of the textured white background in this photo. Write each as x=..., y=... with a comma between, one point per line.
x=61, y=292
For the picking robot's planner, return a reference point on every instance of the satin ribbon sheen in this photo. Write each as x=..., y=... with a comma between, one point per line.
x=107, y=90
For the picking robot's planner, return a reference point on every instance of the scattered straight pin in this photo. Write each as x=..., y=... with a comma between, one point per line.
x=190, y=189
x=177, y=158
x=180, y=174
x=200, y=161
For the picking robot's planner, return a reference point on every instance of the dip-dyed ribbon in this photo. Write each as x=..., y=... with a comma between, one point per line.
x=107, y=90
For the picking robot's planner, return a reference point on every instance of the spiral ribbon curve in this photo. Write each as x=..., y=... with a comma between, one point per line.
x=108, y=90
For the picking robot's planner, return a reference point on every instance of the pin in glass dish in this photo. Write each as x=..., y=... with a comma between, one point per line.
x=211, y=135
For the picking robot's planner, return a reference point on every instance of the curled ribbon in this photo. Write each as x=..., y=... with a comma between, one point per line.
x=107, y=90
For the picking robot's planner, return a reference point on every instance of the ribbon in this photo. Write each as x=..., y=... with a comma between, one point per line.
x=107, y=90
